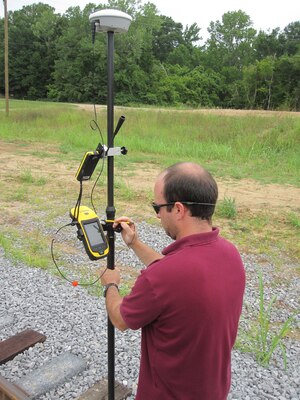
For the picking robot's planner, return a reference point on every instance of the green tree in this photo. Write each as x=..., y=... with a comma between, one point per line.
x=134, y=59
x=287, y=83
x=290, y=37
x=168, y=37
x=202, y=88
x=187, y=53
x=32, y=35
x=258, y=80
x=131, y=7
x=191, y=35
x=79, y=67
x=268, y=44
x=156, y=62
x=249, y=85
x=278, y=53
x=231, y=41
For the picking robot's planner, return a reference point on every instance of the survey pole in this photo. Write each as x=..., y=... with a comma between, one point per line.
x=110, y=21
x=110, y=210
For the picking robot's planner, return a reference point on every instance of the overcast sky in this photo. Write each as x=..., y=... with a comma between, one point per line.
x=265, y=14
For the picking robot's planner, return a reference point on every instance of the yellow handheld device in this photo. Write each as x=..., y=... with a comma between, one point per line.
x=90, y=232
x=87, y=165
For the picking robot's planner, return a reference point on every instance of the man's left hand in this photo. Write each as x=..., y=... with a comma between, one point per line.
x=111, y=276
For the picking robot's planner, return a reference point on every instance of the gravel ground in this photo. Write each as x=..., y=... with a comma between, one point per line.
x=75, y=322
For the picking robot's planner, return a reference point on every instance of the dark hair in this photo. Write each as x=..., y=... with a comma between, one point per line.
x=190, y=182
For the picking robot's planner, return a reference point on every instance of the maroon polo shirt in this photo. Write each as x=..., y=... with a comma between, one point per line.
x=188, y=305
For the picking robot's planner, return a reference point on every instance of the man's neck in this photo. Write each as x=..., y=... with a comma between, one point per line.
x=194, y=226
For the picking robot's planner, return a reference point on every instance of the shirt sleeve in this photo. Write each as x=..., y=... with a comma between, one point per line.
x=141, y=306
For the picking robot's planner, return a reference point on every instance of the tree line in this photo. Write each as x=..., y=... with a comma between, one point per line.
x=158, y=61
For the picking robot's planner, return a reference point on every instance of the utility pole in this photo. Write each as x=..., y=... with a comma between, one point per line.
x=6, y=58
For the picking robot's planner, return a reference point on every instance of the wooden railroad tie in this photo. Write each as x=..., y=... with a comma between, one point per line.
x=100, y=391
x=18, y=343
x=10, y=391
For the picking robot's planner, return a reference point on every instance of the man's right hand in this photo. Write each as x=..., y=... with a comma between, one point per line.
x=129, y=233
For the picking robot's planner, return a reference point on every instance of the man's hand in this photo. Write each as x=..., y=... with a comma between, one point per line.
x=111, y=276
x=128, y=232
x=130, y=237
x=113, y=299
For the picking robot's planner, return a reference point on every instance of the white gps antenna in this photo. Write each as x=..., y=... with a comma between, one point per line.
x=110, y=20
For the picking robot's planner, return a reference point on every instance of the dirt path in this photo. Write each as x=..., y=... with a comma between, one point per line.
x=253, y=195
x=15, y=160
x=214, y=111
x=246, y=192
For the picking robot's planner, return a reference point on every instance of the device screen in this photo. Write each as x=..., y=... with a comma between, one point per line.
x=94, y=234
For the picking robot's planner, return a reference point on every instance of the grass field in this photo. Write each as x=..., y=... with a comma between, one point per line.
x=42, y=145
x=262, y=146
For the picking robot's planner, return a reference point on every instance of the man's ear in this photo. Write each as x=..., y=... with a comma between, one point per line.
x=180, y=210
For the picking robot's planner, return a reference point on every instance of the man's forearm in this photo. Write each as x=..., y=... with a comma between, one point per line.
x=113, y=302
x=145, y=253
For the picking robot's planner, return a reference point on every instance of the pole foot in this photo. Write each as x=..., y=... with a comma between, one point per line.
x=99, y=392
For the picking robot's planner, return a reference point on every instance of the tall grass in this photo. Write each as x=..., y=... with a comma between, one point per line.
x=265, y=337
x=226, y=208
x=264, y=147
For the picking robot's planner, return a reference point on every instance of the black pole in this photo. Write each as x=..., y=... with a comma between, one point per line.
x=110, y=210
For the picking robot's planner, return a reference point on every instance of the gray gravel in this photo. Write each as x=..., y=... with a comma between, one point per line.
x=75, y=322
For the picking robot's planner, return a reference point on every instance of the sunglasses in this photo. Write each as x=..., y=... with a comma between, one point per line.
x=157, y=207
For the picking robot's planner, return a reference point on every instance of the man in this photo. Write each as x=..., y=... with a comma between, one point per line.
x=189, y=298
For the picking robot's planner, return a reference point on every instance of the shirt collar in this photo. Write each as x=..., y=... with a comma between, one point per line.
x=197, y=239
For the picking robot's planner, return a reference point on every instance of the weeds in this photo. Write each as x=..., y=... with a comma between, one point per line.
x=227, y=208
x=27, y=178
x=28, y=252
x=20, y=194
x=262, y=339
x=293, y=220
